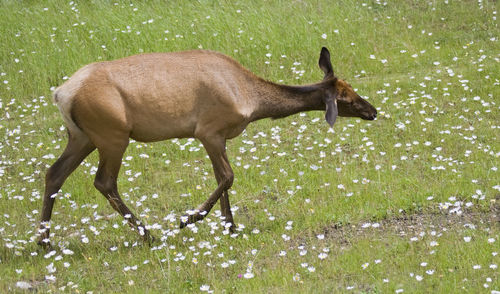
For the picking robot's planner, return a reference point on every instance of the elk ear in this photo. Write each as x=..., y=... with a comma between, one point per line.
x=325, y=64
x=331, y=110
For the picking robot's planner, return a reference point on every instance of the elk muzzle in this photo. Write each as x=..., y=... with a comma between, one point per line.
x=364, y=109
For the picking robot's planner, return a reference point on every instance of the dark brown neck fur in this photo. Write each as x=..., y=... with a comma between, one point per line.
x=277, y=101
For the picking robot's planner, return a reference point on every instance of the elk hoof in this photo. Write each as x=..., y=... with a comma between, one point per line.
x=148, y=238
x=43, y=236
x=44, y=243
x=182, y=224
x=145, y=235
x=185, y=220
x=190, y=219
x=230, y=226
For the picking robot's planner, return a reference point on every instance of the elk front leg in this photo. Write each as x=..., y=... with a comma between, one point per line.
x=225, y=207
x=224, y=174
x=106, y=182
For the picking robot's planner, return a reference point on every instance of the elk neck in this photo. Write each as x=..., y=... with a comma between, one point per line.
x=277, y=101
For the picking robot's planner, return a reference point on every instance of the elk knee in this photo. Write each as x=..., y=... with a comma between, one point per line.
x=228, y=181
x=103, y=186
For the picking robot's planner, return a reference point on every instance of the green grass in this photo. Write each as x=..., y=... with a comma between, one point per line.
x=430, y=67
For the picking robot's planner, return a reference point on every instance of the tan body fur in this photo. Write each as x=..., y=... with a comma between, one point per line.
x=159, y=96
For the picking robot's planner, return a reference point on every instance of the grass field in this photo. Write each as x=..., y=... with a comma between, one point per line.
x=407, y=203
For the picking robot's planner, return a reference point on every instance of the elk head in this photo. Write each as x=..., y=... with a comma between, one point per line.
x=339, y=97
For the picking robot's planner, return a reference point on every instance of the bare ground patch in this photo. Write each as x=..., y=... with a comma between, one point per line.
x=408, y=225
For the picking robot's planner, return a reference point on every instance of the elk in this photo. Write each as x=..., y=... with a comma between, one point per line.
x=157, y=96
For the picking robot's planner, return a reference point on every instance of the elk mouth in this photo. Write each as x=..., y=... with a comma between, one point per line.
x=369, y=116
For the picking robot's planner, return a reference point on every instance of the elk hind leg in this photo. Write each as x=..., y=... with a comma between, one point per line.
x=77, y=149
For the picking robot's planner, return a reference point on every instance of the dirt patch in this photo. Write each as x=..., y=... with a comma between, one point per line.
x=406, y=225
